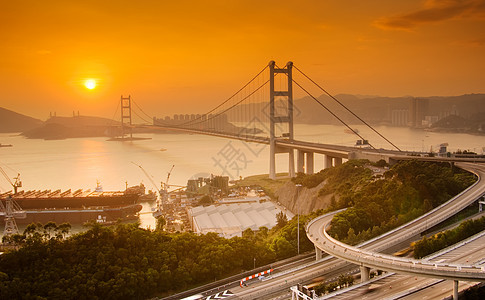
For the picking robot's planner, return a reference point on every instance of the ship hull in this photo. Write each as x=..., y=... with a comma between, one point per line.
x=79, y=216
x=76, y=202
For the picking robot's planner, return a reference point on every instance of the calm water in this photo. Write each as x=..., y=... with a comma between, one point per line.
x=79, y=163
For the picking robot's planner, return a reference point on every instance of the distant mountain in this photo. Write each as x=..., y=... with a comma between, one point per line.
x=374, y=110
x=11, y=121
x=56, y=128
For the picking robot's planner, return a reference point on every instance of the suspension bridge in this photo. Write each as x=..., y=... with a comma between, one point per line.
x=247, y=115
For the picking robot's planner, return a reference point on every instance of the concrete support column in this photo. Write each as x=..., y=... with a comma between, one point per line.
x=364, y=273
x=338, y=161
x=327, y=161
x=309, y=162
x=291, y=163
x=455, y=289
x=318, y=253
x=272, y=159
x=300, y=161
x=481, y=202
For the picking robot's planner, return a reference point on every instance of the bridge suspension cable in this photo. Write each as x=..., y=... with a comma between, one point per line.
x=331, y=112
x=136, y=104
x=227, y=109
x=227, y=100
x=344, y=106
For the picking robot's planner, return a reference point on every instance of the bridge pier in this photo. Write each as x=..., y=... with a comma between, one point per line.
x=364, y=273
x=300, y=161
x=481, y=202
x=455, y=289
x=337, y=161
x=318, y=253
x=309, y=162
x=327, y=161
x=305, y=162
x=272, y=159
x=291, y=163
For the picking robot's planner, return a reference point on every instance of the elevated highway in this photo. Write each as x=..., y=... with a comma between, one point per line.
x=367, y=258
x=399, y=286
x=367, y=254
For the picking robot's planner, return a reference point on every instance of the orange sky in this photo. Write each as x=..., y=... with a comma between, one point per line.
x=165, y=53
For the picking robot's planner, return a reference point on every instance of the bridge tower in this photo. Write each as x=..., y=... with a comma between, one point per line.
x=286, y=117
x=126, y=116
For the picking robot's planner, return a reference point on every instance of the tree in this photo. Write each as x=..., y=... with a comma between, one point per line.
x=281, y=219
x=320, y=289
x=248, y=233
x=381, y=163
x=48, y=228
x=160, y=223
x=64, y=229
x=206, y=200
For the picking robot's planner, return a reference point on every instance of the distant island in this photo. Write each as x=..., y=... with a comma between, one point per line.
x=464, y=114
x=56, y=128
x=11, y=121
x=453, y=123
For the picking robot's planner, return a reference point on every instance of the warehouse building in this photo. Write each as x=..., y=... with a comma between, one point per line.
x=232, y=219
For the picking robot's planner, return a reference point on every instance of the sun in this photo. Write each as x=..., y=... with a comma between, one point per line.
x=90, y=84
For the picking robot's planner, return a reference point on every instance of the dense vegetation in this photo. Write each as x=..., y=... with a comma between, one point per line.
x=441, y=240
x=340, y=180
x=406, y=191
x=128, y=262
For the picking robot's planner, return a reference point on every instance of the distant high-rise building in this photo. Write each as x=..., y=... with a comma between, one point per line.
x=418, y=110
x=399, y=117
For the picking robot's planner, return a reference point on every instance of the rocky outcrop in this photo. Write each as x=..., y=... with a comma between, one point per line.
x=307, y=199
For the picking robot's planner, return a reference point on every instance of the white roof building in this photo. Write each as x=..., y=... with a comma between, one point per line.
x=231, y=219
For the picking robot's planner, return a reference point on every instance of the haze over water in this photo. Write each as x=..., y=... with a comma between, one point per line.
x=79, y=163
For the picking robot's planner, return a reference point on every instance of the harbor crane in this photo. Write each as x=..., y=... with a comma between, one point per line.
x=162, y=191
x=149, y=177
x=163, y=195
x=165, y=186
x=11, y=210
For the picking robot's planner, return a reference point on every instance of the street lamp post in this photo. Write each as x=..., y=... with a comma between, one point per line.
x=298, y=215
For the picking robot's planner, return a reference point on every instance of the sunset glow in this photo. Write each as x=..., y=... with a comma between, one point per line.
x=201, y=52
x=90, y=84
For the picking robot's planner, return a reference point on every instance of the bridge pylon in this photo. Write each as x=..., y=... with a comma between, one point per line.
x=126, y=116
x=285, y=118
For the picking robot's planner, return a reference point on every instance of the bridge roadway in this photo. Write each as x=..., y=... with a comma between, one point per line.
x=338, y=151
x=333, y=265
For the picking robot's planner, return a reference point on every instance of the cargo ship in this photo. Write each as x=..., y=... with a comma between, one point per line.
x=77, y=206
x=79, y=216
